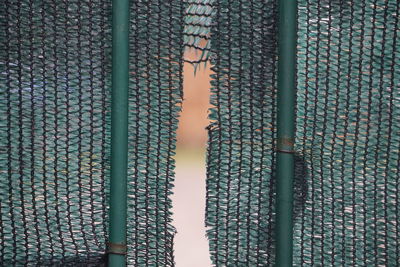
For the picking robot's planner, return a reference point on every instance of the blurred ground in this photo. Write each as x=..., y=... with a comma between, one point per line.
x=191, y=245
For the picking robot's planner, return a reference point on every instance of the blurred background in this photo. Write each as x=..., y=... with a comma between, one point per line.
x=191, y=245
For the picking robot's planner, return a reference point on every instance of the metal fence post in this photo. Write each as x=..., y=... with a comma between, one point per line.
x=286, y=131
x=119, y=133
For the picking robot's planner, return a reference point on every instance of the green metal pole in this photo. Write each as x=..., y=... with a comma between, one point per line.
x=286, y=131
x=119, y=133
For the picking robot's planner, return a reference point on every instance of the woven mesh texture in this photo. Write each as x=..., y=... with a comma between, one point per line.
x=348, y=128
x=346, y=188
x=55, y=80
x=239, y=210
x=54, y=60
x=156, y=64
x=54, y=105
x=198, y=19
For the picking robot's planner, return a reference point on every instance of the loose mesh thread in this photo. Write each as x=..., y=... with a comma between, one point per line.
x=55, y=65
x=346, y=207
x=198, y=19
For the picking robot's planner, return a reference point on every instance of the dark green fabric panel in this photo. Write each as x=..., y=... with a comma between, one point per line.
x=55, y=85
x=156, y=62
x=347, y=161
x=54, y=105
x=54, y=79
x=348, y=128
x=240, y=150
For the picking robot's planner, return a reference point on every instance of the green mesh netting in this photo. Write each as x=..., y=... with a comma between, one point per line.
x=348, y=128
x=54, y=108
x=347, y=163
x=55, y=65
x=239, y=210
x=198, y=19
x=55, y=82
x=156, y=62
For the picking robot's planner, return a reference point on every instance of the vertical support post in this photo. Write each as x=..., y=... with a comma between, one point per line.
x=287, y=27
x=119, y=133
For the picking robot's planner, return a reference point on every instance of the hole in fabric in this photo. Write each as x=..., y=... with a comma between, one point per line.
x=190, y=243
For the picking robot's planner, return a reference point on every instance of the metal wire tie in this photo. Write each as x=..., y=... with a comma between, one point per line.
x=116, y=248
